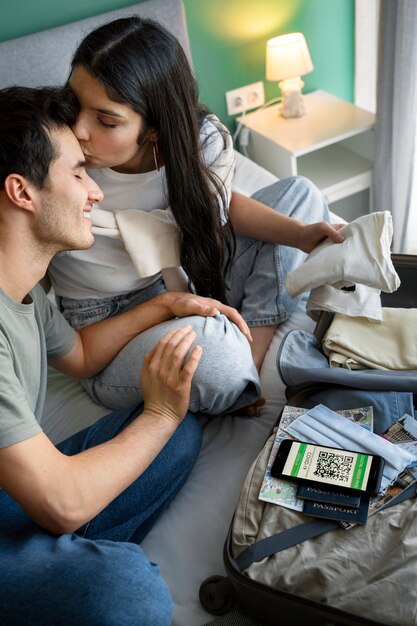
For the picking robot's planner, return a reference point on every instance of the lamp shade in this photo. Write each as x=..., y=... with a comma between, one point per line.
x=287, y=56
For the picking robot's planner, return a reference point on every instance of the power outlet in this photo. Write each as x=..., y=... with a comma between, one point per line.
x=245, y=98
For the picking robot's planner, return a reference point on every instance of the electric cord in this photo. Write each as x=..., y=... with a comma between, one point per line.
x=244, y=136
x=238, y=128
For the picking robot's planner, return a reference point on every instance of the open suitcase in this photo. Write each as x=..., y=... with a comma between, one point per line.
x=273, y=605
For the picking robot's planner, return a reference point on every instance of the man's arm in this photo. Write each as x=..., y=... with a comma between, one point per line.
x=61, y=492
x=251, y=218
x=98, y=344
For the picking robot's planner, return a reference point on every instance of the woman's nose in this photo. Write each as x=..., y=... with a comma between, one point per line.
x=80, y=129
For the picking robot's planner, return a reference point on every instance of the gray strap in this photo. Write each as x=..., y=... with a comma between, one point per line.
x=283, y=540
x=297, y=534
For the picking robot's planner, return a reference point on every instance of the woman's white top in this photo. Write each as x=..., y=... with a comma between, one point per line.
x=135, y=232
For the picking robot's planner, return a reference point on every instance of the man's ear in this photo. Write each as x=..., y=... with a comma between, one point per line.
x=19, y=191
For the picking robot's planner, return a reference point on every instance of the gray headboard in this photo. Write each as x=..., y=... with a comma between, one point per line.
x=44, y=58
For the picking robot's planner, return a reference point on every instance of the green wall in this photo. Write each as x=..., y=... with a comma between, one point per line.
x=227, y=38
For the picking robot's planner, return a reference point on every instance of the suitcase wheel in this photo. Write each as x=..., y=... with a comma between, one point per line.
x=216, y=595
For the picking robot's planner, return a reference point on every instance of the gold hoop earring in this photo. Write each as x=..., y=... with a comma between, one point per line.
x=156, y=154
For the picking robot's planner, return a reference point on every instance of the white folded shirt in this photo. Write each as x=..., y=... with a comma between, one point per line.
x=364, y=257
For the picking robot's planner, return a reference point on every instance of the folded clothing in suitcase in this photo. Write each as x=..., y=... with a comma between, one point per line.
x=287, y=571
x=367, y=571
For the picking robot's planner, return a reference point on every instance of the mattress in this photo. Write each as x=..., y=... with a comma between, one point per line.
x=187, y=541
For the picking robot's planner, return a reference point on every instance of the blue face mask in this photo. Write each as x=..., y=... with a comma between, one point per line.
x=325, y=427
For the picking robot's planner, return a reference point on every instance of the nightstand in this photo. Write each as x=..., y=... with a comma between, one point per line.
x=332, y=145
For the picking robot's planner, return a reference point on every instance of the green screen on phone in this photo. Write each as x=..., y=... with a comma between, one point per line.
x=328, y=465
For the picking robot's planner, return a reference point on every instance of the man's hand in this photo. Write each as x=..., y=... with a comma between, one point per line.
x=166, y=376
x=183, y=304
x=311, y=235
x=63, y=492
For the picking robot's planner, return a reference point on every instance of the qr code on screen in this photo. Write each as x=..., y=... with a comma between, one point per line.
x=333, y=465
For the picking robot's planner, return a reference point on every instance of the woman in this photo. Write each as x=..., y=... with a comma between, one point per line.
x=165, y=165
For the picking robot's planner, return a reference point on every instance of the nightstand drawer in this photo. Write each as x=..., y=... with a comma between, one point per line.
x=348, y=188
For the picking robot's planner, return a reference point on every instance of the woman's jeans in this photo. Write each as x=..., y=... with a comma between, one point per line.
x=98, y=575
x=226, y=378
x=256, y=278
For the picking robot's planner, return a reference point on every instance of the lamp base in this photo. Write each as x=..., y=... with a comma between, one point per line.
x=292, y=99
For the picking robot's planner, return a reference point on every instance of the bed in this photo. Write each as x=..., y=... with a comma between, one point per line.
x=187, y=541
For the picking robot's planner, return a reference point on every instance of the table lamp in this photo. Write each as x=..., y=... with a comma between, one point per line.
x=288, y=58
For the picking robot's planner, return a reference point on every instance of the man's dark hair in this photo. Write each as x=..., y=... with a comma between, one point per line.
x=27, y=117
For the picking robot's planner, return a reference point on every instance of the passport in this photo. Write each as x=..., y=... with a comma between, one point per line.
x=337, y=512
x=328, y=494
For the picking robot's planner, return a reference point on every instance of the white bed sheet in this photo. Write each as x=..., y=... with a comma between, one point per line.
x=187, y=542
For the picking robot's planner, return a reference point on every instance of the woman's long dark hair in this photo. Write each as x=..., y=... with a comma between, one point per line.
x=141, y=64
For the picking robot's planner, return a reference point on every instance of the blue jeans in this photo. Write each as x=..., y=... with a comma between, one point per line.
x=99, y=575
x=256, y=277
x=226, y=378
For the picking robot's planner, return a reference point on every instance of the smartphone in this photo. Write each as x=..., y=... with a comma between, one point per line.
x=342, y=469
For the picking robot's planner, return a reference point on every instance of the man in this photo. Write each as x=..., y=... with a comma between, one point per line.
x=60, y=506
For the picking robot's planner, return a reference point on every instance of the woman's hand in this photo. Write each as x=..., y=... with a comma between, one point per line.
x=184, y=304
x=311, y=235
x=166, y=376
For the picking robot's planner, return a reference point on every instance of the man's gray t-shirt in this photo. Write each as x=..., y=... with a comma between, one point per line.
x=29, y=334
